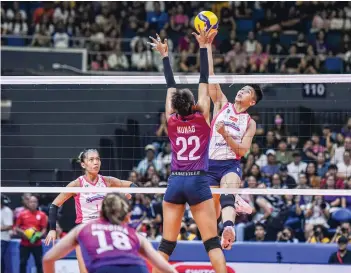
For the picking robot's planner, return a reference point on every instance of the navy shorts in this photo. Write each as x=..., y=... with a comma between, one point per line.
x=219, y=168
x=191, y=189
x=121, y=268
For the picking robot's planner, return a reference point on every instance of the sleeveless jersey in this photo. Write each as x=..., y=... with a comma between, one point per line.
x=189, y=138
x=106, y=244
x=236, y=124
x=88, y=205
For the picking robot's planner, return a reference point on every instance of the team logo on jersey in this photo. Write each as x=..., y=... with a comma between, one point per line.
x=235, y=119
x=94, y=198
x=231, y=125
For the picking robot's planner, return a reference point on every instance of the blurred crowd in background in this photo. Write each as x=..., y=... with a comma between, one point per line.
x=254, y=37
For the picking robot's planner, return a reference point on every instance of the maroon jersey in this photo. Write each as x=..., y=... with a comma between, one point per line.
x=103, y=243
x=189, y=138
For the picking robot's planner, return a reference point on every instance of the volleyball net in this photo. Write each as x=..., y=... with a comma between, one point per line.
x=51, y=119
x=299, y=157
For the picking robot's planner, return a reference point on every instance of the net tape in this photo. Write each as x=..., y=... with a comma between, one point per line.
x=163, y=190
x=180, y=79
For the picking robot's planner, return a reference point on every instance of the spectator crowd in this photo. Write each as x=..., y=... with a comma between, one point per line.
x=254, y=37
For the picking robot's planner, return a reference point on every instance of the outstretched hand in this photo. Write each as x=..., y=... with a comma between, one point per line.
x=211, y=36
x=159, y=46
x=205, y=36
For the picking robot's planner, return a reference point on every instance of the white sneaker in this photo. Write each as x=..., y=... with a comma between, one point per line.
x=228, y=238
x=241, y=205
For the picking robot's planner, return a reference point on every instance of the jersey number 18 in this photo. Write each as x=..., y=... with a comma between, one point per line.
x=193, y=140
x=120, y=241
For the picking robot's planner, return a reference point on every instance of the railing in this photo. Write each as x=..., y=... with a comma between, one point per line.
x=78, y=43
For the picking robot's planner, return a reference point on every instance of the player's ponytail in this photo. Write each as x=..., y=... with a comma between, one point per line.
x=114, y=208
x=183, y=102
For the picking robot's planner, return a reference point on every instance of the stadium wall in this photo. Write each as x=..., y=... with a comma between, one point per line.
x=191, y=257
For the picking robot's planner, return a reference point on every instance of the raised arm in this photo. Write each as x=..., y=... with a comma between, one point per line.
x=167, y=70
x=204, y=102
x=56, y=204
x=215, y=91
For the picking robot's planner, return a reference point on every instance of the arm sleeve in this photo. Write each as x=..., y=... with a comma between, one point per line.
x=53, y=216
x=167, y=70
x=204, y=71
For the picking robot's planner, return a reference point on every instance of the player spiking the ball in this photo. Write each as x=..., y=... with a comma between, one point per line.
x=188, y=182
x=232, y=131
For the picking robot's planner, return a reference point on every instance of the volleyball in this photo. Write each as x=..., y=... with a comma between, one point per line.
x=206, y=20
x=29, y=232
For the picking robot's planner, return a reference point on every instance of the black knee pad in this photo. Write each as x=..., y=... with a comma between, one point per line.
x=212, y=244
x=167, y=247
x=227, y=200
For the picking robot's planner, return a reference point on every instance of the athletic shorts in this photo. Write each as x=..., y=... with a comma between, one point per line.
x=219, y=168
x=121, y=268
x=183, y=187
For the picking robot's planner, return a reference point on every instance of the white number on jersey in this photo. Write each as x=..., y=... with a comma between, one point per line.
x=185, y=142
x=119, y=241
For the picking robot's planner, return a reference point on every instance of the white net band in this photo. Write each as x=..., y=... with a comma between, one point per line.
x=58, y=190
x=180, y=79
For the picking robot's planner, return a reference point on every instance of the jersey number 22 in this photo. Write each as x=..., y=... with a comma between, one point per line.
x=193, y=140
x=120, y=241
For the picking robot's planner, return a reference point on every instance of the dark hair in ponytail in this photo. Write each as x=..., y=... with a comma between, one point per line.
x=114, y=208
x=183, y=102
x=82, y=156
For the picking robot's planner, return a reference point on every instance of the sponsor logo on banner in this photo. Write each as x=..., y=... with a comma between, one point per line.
x=190, y=268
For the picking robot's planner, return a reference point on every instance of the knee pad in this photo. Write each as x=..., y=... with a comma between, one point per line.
x=167, y=247
x=212, y=244
x=227, y=200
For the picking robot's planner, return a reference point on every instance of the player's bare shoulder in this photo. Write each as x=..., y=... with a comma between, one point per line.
x=252, y=124
x=74, y=183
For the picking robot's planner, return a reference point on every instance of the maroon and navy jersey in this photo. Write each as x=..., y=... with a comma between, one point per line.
x=189, y=138
x=103, y=243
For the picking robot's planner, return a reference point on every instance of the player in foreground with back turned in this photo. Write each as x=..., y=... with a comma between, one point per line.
x=109, y=244
x=88, y=205
x=189, y=133
x=232, y=131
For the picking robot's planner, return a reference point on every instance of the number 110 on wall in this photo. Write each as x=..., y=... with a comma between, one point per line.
x=314, y=90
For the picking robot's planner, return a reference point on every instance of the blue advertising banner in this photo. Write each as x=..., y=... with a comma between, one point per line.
x=191, y=255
